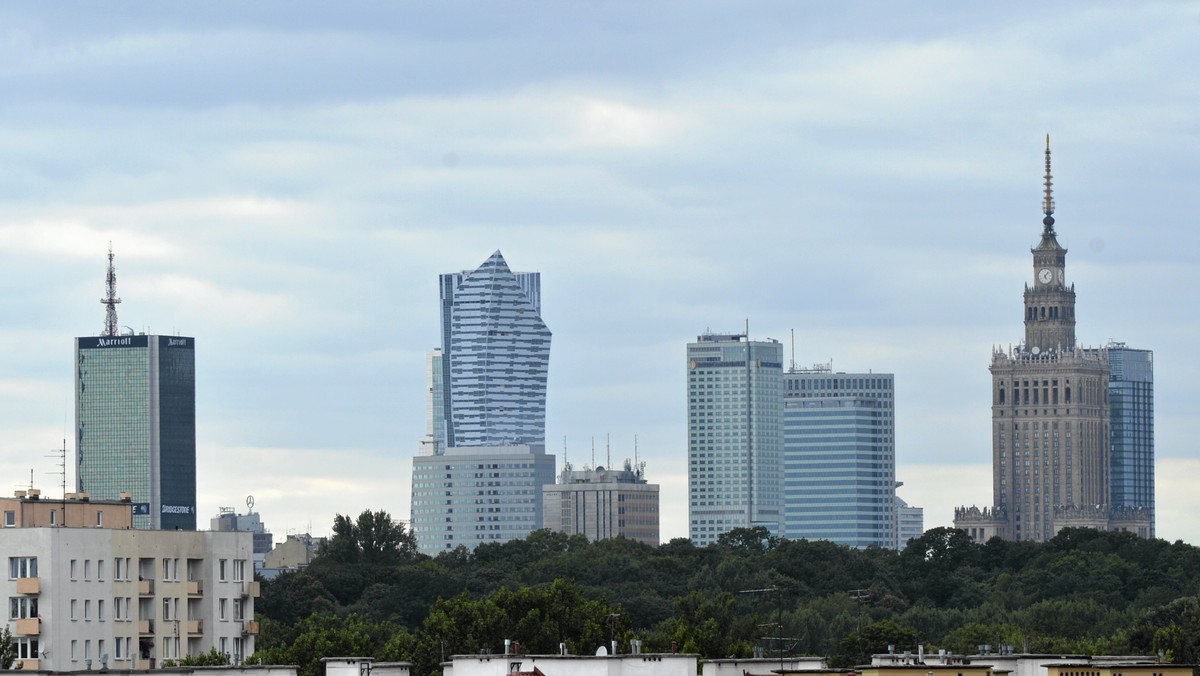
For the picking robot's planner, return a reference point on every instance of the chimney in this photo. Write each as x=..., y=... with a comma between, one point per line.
x=19, y=494
x=35, y=493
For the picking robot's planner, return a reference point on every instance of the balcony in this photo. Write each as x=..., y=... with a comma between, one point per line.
x=28, y=627
x=146, y=627
x=250, y=589
x=26, y=665
x=145, y=587
x=195, y=626
x=195, y=587
x=29, y=585
x=250, y=627
x=143, y=664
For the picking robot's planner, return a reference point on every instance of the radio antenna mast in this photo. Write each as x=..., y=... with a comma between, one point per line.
x=61, y=454
x=110, y=316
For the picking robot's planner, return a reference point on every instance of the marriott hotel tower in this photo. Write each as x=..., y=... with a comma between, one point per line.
x=135, y=421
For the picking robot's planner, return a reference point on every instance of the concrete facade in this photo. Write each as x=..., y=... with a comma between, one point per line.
x=83, y=598
x=603, y=503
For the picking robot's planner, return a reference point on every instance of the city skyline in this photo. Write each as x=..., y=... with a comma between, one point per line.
x=286, y=187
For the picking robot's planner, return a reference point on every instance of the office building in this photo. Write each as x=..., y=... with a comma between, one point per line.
x=229, y=520
x=88, y=597
x=839, y=457
x=1131, y=400
x=910, y=520
x=479, y=472
x=468, y=496
x=1051, y=418
x=735, y=435
x=603, y=503
x=135, y=421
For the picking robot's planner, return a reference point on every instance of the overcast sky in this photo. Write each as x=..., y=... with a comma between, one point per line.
x=284, y=181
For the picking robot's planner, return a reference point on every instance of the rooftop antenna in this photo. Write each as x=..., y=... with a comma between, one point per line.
x=1048, y=201
x=635, y=450
x=565, y=462
x=593, y=453
x=793, y=350
x=607, y=451
x=61, y=454
x=110, y=316
x=747, y=328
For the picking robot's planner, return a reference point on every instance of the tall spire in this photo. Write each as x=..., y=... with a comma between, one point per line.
x=110, y=315
x=1048, y=201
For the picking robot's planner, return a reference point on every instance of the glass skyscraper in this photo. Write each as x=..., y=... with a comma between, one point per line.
x=839, y=457
x=479, y=474
x=1131, y=400
x=135, y=420
x=495, y=357
x=735, y=416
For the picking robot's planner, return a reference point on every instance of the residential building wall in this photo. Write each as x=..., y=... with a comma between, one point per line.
x=127, y=599
x=735, y=435
x=28, y=509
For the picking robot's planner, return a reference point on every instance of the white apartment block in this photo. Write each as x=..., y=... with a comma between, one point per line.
x=93, y=598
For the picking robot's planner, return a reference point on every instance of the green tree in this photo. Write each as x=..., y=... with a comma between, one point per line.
x=291, y=597
x=318, y=636
x=212, y=658
x=8, y=649
x=374, y=538
x=858, y=647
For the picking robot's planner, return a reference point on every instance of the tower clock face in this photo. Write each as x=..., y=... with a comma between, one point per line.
x=1060, y=276
x=1045, y=275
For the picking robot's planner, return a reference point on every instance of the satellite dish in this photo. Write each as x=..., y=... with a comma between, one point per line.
x=601, y=652
x=1036, y=350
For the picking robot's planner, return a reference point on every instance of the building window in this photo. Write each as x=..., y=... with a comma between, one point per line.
x=87, y=610
x=72, y=568
x=221, y=608
x=221, y=570
x=237, y=610
x=22, y=607
x=100, y=570
x=87, y=569
x=10, y=518
x=73, y=606
x=239, y=570
x=27, y=648
x=99, y=519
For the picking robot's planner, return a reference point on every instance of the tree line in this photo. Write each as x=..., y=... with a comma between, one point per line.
x=370, y=593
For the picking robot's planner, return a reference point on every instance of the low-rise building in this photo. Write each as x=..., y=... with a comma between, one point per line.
x=603, y=503
x=95, y=597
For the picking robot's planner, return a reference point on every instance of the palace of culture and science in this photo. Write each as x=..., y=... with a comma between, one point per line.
x=1053, y=420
